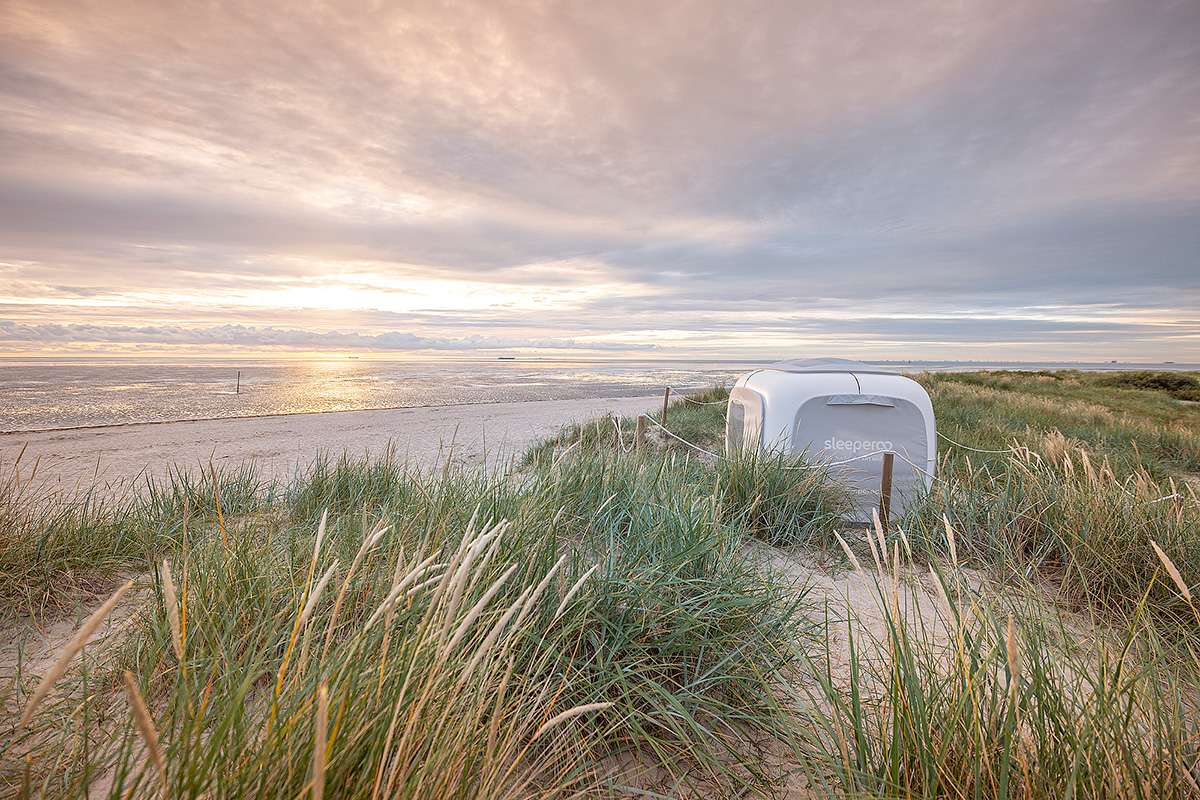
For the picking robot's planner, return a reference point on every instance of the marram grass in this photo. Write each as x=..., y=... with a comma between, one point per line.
x=597, y=623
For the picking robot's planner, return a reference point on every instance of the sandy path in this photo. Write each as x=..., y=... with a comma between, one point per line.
x=490, y=433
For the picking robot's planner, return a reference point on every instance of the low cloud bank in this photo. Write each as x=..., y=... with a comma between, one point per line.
x=250, y=336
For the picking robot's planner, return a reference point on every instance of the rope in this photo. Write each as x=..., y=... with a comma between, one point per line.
x=855, y=458
x=973, y=449
x=1133, y=497
x=900, y=456
x=1118, y=486
x=680, y=392
x=695, y=447
x=699, y=449
x=620, y=440
x=921, y=470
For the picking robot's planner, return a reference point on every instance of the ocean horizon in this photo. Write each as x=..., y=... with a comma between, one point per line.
x=39, y=394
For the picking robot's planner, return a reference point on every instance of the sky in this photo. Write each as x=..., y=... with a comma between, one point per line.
x=959, y=179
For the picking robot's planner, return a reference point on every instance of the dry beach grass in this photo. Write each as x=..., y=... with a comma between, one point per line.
x=603, y=622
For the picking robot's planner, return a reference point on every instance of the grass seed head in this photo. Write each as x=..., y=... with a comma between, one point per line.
x=568, y=714
x=853, y=559
x=319, y=743
x=950, y=540
x=145, y=727
x=1172, y=571
x=316, y=595
x=562, y=606
x=69, y=650
x=1014, y=658
x=172, y=610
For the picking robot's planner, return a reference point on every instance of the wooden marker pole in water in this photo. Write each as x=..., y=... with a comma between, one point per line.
x=666, y=399
x=885, y=489
x=238, y=390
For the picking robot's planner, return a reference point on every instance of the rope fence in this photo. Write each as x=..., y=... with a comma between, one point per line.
x=646, y=418
x=1007, y=451
x=973, y=449
x=844, y=462
x=680, y=392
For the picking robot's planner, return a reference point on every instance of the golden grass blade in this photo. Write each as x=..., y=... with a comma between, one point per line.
x=172, y=610
x=896, y=576
x=217, y=497
x=571, y=594
x=318, y=785
x=420, y=488
x=950, y=540
x=871, y=541
x=482, y=568
x=317, y=547
x=309, y=605
x=1014, y=659
x=569, y=714
x=145, y=727
x=368, y=544
x=416, y=572
x=853, y=559
x=387, y=629
x=316, y=595
x=541, y=588
x=498, y=708
x=476, y=610
x=1172, y=571
x=1087, y=466
x=490, y=641
x=458, y=583
x=69, y=650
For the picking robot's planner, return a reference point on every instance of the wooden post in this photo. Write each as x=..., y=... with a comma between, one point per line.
x=239, y=383
x=641, y=431
x=666, y=399
x=885, y=490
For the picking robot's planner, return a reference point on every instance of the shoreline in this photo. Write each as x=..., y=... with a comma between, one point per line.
x=117, y=457
x=308, y=413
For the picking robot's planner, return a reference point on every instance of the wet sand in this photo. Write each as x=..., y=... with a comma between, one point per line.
x=490, y=434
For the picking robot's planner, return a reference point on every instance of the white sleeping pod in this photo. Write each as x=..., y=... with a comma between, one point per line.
x=843, y=413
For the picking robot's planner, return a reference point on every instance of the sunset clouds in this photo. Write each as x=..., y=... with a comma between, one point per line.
x=979, y=179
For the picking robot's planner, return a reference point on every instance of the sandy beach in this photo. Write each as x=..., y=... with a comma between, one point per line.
x=479, y=434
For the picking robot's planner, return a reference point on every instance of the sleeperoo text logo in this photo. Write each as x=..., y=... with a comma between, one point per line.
x=857, y=445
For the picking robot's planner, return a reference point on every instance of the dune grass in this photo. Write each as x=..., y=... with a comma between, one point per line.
x=598, y=581
x=599, y=622
x=981, y=703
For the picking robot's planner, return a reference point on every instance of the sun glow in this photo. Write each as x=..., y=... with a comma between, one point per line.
x=380, y=292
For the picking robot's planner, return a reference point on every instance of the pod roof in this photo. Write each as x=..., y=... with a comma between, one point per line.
x=813, y=365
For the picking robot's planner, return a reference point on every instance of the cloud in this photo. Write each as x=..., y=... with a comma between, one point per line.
x=250, y=336
x=617, y=169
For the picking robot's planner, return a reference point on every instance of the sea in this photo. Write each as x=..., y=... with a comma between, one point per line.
x=42, y=394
